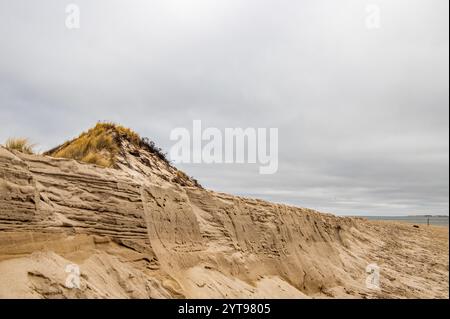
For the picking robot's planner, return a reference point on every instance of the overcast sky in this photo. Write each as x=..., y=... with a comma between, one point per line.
x=362, y=113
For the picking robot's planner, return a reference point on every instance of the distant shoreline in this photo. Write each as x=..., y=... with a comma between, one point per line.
x=437, y=220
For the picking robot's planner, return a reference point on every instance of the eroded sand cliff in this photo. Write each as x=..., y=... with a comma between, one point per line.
x=135, y=231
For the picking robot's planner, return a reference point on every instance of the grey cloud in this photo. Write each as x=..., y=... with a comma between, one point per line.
x=362, y=114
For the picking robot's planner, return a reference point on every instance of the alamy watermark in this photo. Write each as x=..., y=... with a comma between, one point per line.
x=73, y=277
x=373, y=17
x=234, y=145
x=373, y=277
x=72, y=16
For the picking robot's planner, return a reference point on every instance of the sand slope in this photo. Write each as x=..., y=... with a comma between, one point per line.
x=134, y=233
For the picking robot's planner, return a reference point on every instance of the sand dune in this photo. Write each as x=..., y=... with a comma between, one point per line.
x=136, y=231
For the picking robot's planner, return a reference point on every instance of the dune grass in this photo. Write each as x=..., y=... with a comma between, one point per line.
x=20, y=144
x=96, y=146
x=100, y=145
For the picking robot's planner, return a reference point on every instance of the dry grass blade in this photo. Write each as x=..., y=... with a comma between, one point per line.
x=20, y=144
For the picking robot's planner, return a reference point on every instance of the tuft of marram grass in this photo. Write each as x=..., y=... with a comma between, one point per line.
x=96, y=146
x=97, y=159
x=20, y=144
x=100, y=145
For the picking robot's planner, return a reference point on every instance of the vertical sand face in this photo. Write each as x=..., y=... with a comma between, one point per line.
x=136, y=233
